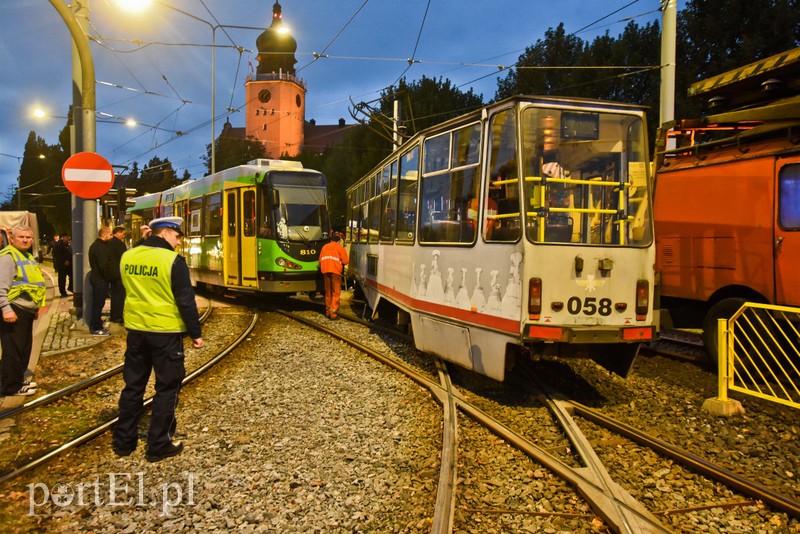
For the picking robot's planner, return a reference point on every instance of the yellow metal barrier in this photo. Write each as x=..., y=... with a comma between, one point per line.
x=760, y=353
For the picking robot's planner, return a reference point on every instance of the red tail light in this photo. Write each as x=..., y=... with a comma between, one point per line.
x=642, y=299
x=535, y=298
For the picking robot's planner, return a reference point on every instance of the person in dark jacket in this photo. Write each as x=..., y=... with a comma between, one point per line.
x=62, y=263
x=102, y=272
x=118, y=248
x=160, y=310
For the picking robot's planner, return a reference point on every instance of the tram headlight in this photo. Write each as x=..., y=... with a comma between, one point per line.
x=287, y=264
x=534, y=298
x=642, y=299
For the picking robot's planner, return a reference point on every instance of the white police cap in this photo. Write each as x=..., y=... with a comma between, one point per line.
x=167, y=222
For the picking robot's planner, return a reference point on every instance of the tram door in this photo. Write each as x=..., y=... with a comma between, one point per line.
x=239, y=242
x=787, y=232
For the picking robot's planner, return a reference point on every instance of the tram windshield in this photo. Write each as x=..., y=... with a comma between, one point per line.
x=294, y=212
x=585, y=177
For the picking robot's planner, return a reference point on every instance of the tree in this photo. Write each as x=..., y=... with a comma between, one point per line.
x=157, y=175
x=425, y=102
x=232, y=152
x=715, y=36
x=41, y=190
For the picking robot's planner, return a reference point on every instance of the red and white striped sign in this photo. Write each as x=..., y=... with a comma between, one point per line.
x=87, y=175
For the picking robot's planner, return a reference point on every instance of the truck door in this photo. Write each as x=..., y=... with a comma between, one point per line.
x=787, y=231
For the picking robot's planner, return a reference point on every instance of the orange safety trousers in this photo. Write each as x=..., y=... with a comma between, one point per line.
x=333, y=291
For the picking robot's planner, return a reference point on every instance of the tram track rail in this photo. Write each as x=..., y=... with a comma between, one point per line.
x=630, y=517
x=607, y=502
x=101, y=428
x=80, y=385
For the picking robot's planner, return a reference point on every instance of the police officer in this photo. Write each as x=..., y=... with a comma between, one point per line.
x=160, y=309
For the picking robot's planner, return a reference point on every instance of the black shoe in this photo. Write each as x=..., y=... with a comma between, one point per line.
x=120, y=451
x=173, y=449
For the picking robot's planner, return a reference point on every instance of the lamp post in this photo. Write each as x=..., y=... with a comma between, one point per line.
x=84, y=212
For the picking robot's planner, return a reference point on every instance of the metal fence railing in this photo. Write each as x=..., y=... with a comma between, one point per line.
x=760, y=353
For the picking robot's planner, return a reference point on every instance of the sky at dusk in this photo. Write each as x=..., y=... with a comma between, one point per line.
x=156, y=67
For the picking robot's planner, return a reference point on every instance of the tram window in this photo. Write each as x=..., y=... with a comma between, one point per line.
x=466, y=146
x=385, y=174
x=363, y=223
x=789, y=197
x=444, y=210
x=349, y=215
x=437, y=153
x=407, y=195
x=388, y=215
x=195, y=213
x=393, y=175
x=249, y=213
x=501, y=215
x=213, y=212
x=374, y=219
x=232, y=214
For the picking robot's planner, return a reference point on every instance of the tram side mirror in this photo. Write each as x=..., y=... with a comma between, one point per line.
x=275, y=197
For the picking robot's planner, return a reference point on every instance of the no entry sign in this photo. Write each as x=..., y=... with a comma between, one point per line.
x=87, y=175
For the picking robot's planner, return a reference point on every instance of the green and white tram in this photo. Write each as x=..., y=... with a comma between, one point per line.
x=255, y=227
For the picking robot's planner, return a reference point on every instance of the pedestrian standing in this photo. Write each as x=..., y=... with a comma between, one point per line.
x=100, y=275
x=62, y=263
x=160, y=310
x=118, y=248
x=22, y=295
x=332, y=259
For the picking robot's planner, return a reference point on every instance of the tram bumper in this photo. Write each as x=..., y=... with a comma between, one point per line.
x=535, y=333
x=614, y=348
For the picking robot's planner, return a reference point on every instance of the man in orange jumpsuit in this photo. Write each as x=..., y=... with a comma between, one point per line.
x=332, y=259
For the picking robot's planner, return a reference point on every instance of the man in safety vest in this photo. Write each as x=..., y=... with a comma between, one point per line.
x=22, y=294
x=160, y=309
x=332, y=259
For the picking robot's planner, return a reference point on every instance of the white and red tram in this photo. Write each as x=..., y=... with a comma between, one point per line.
x=527, y=223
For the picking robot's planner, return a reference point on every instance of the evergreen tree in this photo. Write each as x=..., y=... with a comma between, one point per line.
x=157, y=175
x=232, y=152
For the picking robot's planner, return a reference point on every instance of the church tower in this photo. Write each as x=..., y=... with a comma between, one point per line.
x=275, y=104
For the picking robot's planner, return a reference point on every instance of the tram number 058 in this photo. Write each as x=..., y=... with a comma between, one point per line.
x=589, y=306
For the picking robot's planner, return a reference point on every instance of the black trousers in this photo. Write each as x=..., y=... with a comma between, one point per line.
x=146, y=352
x=63, y=286
x=117, y=300
x=16, y=340
x=99, y=295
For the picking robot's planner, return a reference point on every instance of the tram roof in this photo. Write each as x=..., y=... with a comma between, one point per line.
x=607, y=105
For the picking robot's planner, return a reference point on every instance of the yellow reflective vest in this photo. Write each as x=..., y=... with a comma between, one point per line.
x=149, y=302
x=28, y=279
